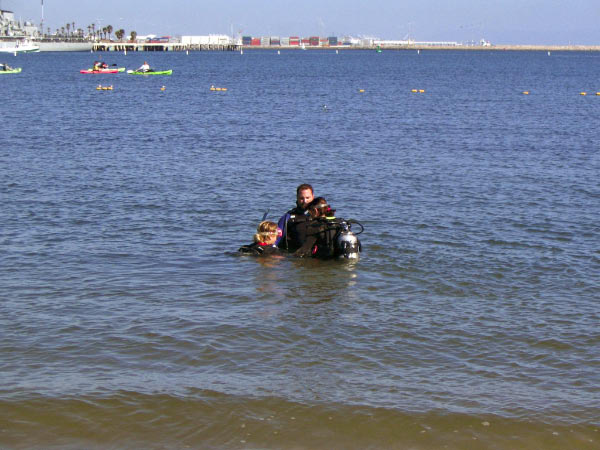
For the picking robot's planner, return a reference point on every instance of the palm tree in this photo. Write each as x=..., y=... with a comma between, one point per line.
x=133, y=35
x=119, y=34
x=68, y=26
x=109, y=30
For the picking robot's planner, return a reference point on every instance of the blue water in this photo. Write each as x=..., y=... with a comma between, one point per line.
x=475, y=300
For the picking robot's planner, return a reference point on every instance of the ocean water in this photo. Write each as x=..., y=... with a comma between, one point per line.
x=127, y=319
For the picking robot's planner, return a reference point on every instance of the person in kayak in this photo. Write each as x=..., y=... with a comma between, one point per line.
x=292, y=224
x=264, y=241
x=144, y=67
x=5, y=67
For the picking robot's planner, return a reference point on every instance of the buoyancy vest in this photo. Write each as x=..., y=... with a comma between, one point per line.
x=329, y=229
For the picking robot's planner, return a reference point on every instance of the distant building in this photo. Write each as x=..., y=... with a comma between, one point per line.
x=438, y=44
x=388, y=43
x=12, y=28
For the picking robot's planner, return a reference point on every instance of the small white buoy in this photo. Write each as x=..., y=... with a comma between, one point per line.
x=278, y=52
x=241, y=51
x=548, y=53
x=125, y=52
x=187, y=52
x=418, y=52
x=336, y=52
x=15, y=53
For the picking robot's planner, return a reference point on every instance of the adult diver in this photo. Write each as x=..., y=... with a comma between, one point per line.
x=293, y=224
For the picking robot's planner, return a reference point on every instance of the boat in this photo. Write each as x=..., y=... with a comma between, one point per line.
x=107, y=70
x=151, y=72
x=14, y=70
x=18, y=46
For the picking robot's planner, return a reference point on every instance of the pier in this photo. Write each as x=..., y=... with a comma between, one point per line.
x=161, y=47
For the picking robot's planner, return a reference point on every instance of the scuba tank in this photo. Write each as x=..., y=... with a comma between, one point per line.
x=347, y=244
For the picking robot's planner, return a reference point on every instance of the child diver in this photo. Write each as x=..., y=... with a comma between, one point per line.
x=264, y=241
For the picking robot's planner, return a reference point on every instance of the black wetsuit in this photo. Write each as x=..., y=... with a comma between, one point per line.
x=256, y=249
x=293, y=226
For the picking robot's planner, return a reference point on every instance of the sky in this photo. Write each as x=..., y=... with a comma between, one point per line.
x=542, y=22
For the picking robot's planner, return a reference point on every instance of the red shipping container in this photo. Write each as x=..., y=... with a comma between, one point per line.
x=255, y=41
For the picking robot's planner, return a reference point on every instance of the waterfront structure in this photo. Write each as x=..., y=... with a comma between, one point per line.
x=9, y=27
x=14, y=36
x=17, y=36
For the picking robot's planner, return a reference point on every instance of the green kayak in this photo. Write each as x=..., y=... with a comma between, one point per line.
x=151, y=72
x=15, y=70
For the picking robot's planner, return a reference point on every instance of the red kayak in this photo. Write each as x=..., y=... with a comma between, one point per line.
x=115, y=70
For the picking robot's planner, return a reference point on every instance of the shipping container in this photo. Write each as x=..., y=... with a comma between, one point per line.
x=333, y=40
x=285, y=42
x=246, y=40
x=265, y=41
x=255, y=41
x=313, y=40
x=275, y=40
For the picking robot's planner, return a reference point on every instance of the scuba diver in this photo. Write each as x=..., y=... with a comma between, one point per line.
x=327, y=236
x=264, y=241
x=294, y=222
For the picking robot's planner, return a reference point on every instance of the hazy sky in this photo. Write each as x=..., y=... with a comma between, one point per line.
x=499, y=21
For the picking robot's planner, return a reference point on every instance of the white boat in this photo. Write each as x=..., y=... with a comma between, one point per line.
x=18, y=46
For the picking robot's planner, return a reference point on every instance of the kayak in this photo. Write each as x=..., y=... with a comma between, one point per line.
x=108, y=70
x=15, y=70
x=151, y=72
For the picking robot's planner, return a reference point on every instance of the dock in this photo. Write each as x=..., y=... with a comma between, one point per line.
x=161, y=47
